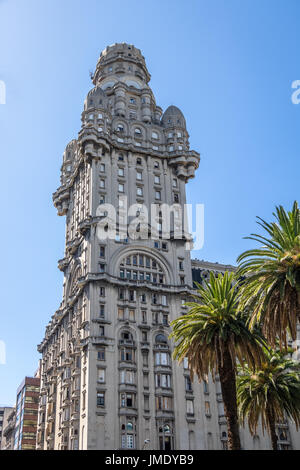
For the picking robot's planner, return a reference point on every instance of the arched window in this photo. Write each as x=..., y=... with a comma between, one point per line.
x=160, y=338
x=142, y=268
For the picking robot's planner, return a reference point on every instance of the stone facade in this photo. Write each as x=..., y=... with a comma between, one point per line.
x=5, y=411
x=107, y=378
x=9, y=431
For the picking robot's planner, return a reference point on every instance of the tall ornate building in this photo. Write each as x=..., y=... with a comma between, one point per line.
x=107, y=377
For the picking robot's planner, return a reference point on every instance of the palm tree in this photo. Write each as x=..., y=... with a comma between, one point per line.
x=270, y=393
x=213, y=335
x=271, y=288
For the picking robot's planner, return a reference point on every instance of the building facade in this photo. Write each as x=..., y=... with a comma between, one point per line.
x=4, y=414
x=9, y=431
x=26, y=414
x=107, y=377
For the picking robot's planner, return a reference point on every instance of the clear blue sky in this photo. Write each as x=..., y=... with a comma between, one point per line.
x=228, y=65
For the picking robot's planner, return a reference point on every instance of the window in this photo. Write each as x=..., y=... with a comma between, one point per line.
x=188, y=384
x=100, y=399
x=132, y=100
x=207, y=408
x=205, y=387
x=126, y=377
x=179, y=134
x=121, y=158
x=145, y=359
x=163, y=380
x=121, y=313
x=102, y=184
x=101, y=354
x=102, y=167
x=126, y=354
x=101, y=267
x=132, y=315
x=120, y=171
x=164, y=300
x=101, y=375
x=190, y=407
x=181, y=265
x=120, y=128
x=176, y=197
x=154, y=135
x=179, y=147
x=139, y=175
x=163, y=403
x=157, y=179
x=144, y=316
x=100, y=116
x=162, y=358
x=174, y=183
x=157, y=195
x=127, y=400
x=101, y=331
x=121, y=188
x=156, y=164
x=139, y=191
x=138, y=161
x=102, y=251
x=102, y=311
x=185, y=363
x=137, y=131
x=170, y=135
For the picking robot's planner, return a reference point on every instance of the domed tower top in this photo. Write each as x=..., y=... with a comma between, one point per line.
x=173, y=117
x=125, y=62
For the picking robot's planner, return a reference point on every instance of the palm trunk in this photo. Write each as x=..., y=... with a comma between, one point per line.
x=228, y=388
x=272, y=429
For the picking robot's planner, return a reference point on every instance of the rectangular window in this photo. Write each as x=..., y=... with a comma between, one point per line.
x=139, y=175
x=207, y=408
x=101, y=375
x=100, y=399
x=188, y=384
x=121, y=171
x=102, y=311
x=101, y=331
x=190, y=407
x=101, y=267
x=157, y=179
x=121, y=313
x=102, y=184
x=139, y=191
x=157, y=195
x=144, y=316
x=121, y=188
x=131, y=315
x=102, y=291
x=102, y=251
x=101, y=354
x=102, y=167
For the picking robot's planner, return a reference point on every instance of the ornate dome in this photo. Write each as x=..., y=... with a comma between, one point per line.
x=96, y=97
x=173, y=117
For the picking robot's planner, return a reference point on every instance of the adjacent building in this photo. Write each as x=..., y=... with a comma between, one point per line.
x=4, y=413
x=9, y=431
x=108, y=380
x=26, y=413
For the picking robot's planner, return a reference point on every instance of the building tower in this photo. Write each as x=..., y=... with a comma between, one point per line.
x=108, y=380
